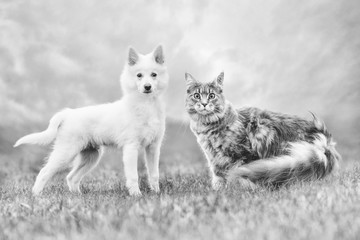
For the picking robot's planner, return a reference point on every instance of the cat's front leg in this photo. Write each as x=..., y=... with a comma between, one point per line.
x=217, y=182
x=130, y=158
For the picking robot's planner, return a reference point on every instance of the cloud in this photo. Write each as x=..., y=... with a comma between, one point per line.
x=281, y=55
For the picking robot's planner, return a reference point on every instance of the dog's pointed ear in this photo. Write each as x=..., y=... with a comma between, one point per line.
x=133, y=57
x=220, y=79
x=190, y=80
x=159, y=55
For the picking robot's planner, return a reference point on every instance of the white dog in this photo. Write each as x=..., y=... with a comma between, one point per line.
x=136, y=123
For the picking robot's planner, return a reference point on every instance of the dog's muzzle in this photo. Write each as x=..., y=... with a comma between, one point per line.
x=147, y=88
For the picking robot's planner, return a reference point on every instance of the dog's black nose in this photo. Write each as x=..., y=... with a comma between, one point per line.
x=147, y=87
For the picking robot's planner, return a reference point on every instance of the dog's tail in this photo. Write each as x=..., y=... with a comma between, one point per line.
x=47, y=136
x=304, y=161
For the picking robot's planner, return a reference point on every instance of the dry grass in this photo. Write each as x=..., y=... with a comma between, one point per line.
x=186, y=209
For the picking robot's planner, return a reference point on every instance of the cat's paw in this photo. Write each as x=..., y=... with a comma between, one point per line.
x=218, y=183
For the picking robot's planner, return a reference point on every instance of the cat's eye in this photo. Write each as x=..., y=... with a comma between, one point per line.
x=196, y=95
x=211, y=96
x=139, y=75
x=153, y=75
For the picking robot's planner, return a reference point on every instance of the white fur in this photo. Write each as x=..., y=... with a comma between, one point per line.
x=136, y=122
x=300, y=153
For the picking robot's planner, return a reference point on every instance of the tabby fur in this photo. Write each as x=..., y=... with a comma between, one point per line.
x=258, y=145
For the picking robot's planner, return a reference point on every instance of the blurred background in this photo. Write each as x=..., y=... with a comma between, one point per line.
x=283, y=55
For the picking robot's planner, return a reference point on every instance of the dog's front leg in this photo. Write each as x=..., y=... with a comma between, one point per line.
x=130, y=158
x=153, y=156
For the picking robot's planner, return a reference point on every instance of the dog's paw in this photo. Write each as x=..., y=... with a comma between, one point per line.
x=135, y=192
x=133, y=187
x=155, y=187
x=36, y=192
x=75, y=191
x=74, y=188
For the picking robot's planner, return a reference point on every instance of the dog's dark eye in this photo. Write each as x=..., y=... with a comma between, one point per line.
x=196, y=95
x=211, y=96
x=139, y=75
x=153, y=75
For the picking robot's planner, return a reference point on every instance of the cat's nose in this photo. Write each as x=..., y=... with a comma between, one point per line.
x=204, y=104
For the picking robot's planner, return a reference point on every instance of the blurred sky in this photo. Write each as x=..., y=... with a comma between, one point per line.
x=282, y=55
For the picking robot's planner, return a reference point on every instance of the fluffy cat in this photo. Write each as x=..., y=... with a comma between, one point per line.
x=258, y=145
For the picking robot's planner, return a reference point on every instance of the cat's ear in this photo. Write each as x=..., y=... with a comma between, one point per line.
x=220, y=79
x=159, y=55
x=133, y=57
x=190, y=80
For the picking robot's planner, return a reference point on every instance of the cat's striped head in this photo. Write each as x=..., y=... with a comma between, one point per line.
x=205, y=101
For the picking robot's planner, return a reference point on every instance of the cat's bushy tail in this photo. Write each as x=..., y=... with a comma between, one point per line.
x=47, y=136
x=304, y=161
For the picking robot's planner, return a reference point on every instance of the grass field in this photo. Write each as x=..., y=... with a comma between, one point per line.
x=186, y=208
